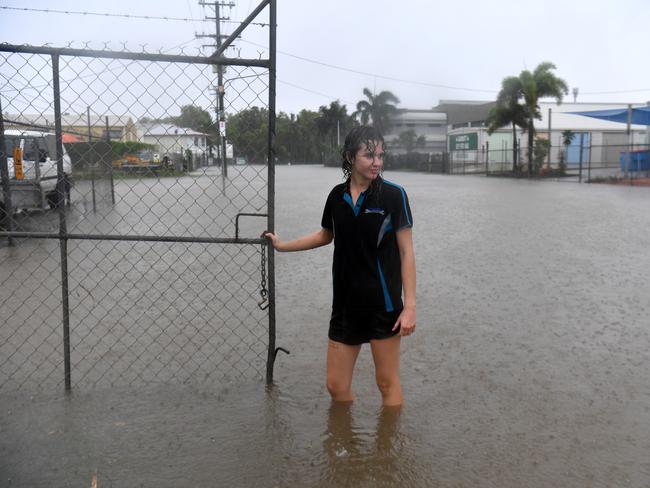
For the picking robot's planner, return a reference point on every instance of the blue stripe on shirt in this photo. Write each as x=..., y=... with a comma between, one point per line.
x=408, y=217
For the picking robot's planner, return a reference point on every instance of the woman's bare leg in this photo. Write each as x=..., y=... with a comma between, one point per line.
x=385, y=353
x=340, y=364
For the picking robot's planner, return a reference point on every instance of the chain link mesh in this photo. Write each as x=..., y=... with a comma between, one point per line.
x=145, y=160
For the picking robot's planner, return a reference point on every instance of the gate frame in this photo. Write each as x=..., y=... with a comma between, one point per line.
x=216, y=59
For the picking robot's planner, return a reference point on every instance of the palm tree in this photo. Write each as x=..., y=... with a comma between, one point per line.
x=508, y=111
x=540, y=83
x=567, y=137
x=378, y=108
x=332, y=121
x=529, y=88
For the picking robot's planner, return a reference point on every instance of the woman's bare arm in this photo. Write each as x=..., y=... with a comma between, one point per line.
x=319, y=238
x=406, y=320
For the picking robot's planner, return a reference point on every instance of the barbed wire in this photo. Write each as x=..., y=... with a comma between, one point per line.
x=374, y=75
x=123, y=16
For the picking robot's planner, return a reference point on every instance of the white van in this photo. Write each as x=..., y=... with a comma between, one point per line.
x=36, y=190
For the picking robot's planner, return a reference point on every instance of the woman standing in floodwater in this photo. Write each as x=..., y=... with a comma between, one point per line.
x=370, y=221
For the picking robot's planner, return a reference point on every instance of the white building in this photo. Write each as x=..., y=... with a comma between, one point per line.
x=174, y=142
x=597, y=142
x=430, y=125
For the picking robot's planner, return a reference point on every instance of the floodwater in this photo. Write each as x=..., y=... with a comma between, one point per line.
x=528, y=368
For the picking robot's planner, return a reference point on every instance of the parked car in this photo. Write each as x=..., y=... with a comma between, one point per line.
x=35, y=187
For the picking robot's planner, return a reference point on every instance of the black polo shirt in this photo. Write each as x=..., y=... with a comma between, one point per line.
x=367, y=266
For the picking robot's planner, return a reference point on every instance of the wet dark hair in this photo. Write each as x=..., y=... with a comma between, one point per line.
x=357, y=138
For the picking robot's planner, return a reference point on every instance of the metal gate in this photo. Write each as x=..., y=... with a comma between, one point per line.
x=150, y=266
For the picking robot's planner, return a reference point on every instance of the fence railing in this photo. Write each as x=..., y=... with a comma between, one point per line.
x=589, y=163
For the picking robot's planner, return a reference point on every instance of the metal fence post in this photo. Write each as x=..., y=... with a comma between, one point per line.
x=628, y=154
x=110, y=162
x=582, y=141
x=4, y=174
x=633, y=167
x=589, y=160
x=63, y=237
x=550, y=138
x=92, y=169
x=271, y=191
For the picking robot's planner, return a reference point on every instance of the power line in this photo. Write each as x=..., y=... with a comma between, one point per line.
x=423, y=83
x=614, y=92
x=123, y=16
x=374, y=75
x=330, y=97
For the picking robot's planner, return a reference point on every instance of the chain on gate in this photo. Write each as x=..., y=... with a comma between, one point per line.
x=264, y=304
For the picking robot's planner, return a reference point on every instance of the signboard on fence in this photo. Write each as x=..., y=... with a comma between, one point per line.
x=463, y=142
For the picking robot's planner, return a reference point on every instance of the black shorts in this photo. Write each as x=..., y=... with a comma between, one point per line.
x=354, y=327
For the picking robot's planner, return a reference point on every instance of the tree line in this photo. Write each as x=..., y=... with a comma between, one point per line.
x=306, y=137
x=317, y=136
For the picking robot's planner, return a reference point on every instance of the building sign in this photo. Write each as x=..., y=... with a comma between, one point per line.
x=463, y=142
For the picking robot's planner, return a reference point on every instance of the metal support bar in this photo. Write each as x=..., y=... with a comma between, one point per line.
x=102, y=237
x=168, y=58
x=44, y=128
x=271, y=189
x=245, y=215
x=219, y=52
x=60, y=187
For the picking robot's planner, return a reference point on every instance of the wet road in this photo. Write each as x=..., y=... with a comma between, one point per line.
x=529, y=367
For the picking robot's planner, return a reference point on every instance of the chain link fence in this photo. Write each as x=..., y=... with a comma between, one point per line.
x=123, y=257
x=589, y=163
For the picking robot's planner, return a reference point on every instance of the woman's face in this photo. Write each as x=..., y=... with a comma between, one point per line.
x=369, y=160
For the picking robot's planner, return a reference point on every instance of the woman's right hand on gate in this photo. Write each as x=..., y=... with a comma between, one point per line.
x=274, y=238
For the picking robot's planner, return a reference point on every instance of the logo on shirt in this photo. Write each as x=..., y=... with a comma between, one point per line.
x=379, y=211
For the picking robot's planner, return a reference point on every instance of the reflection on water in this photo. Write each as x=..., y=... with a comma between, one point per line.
x=356, y=456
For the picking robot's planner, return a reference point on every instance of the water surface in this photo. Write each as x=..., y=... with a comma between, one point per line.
x=529, y=366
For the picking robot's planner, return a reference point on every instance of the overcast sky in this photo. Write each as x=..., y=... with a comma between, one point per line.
x=471, y=45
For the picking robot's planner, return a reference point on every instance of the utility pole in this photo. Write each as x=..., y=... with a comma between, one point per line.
x=220, y=111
